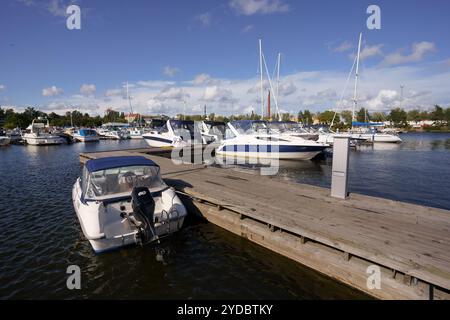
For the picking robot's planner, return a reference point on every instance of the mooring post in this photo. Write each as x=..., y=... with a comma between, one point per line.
x=339, y=177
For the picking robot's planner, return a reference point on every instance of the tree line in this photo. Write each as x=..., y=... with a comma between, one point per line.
x=398, y=117
x=11, y=119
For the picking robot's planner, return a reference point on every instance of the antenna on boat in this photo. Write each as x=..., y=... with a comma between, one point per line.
x=355, y=98
x=261, y=77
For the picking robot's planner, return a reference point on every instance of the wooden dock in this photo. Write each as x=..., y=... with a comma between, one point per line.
x=344, y=239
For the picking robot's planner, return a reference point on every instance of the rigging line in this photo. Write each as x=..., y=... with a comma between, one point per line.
x=275, y=98
x=343, y=92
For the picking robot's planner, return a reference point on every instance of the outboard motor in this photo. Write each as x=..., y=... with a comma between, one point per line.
x=143, y=206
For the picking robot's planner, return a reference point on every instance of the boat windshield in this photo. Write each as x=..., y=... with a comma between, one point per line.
x=180, y=127
x=121, y=181
x=216, y=128
x=250, y=127
x=277, y=126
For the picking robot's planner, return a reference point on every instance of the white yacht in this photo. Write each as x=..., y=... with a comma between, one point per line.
x=4, y=139
x=369, y=132
x=38, y=133
x=122, y=201
x=174, y=133
x=249, y=138
x=86, y=135
x=136, y=133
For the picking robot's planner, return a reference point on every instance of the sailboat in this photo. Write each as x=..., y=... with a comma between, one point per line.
x=366, y=130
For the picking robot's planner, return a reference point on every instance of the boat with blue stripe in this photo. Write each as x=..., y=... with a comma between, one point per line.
x=254, y=139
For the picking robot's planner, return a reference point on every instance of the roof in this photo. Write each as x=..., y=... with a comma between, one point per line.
x=117, y=162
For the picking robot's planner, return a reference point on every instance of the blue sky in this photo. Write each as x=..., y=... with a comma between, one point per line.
x=181, y=55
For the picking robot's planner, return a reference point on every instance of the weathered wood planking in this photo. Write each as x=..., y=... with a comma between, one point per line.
x=409, y=238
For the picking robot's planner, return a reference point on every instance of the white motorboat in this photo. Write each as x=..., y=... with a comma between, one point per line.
x=4, y=139
x=136, y=133
x=373, y=136
x=113, y=134
x=38, y=133
x=212, y=131
x=15, y=135
x=253, y=139
x=86, y=135
x=175, y=133
x=122, y=201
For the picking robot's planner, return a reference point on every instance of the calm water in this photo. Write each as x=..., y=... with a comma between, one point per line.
x=40, y=234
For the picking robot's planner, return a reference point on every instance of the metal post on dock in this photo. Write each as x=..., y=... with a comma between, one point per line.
x=339, y=177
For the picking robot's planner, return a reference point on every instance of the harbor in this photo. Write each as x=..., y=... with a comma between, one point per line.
x=214, y=159
x=339, y=238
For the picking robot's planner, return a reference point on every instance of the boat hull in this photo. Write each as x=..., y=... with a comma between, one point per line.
x=43, y=141
x=275, y=152
x=157, y=140
x=381, y=138
x=4, y=141
x=86, y=138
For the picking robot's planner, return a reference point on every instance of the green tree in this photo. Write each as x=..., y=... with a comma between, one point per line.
x=347, y=116
x=362, y=115
x=437, y=114
x=413, y=115
x=327, y=117
x=378, y=117
x=399, y=117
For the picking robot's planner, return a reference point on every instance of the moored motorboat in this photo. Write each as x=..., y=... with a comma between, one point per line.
x=4, y=139
x=86, y=135
x=175, y=133
x=249, y=138
x=38, y=133
x=121, y=201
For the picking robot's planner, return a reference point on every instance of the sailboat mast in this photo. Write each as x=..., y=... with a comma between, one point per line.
x=355, y=97
x=129, y=103
x=278, y=73
x=261, y=78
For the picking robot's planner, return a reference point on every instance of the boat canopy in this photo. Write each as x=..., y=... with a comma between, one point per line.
x=367, y=124
x=117, y=162
x=249, y=126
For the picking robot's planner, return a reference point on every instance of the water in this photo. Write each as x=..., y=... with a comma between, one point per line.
x=40, y=235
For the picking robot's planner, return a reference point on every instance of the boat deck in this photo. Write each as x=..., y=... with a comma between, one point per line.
x=409, y=242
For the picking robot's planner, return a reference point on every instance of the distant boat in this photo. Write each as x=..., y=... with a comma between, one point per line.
x=86, y=135
x=135, y=133
x=4, y=139
x=38, y=133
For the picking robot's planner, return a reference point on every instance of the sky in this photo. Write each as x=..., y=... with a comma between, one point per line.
x=179, y=56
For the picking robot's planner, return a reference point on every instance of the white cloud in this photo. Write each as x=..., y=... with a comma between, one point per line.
x=51, y=91
x=56, y=8
x=203, y=79
x=114, y=92
x=88, y=89
x=418, y=51
x=369, y=51
x=170, y=71
x=172, y=93
x=2, y=87
x=343, y=47
x=204, y=18
x=251, y=7
x=217, y=94
x=248, y=28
